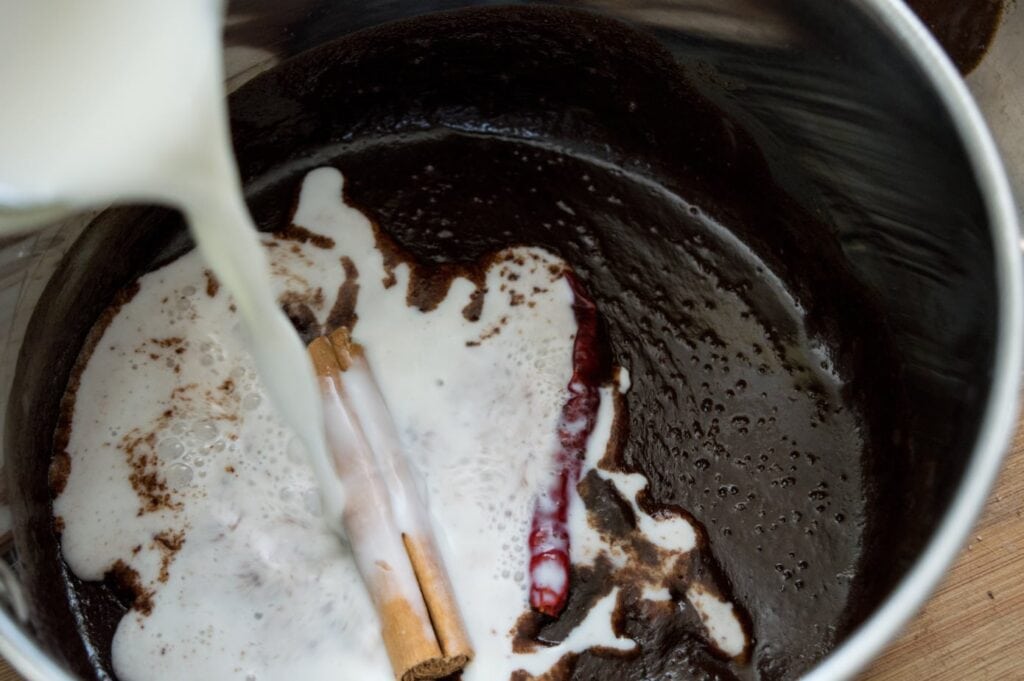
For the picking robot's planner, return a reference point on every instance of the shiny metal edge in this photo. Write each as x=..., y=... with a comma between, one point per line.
x=24, y=654
x=1001, y=412
x=997, y=426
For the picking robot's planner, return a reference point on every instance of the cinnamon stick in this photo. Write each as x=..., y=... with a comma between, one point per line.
x=416, y=624
x=363, y=396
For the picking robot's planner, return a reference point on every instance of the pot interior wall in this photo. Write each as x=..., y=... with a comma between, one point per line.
x=813, y=145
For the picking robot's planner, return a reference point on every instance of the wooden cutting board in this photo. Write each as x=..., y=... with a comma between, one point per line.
x=973, y=627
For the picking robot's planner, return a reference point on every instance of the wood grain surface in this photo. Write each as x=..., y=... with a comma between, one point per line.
x=973, y=627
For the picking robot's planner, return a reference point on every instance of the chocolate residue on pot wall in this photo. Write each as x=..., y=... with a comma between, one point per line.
x=965, y=28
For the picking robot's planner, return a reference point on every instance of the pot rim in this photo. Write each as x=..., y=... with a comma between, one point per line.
x=1001, y=411
x=997, y=424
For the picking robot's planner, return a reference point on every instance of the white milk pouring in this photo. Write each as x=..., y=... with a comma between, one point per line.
x=123, y=100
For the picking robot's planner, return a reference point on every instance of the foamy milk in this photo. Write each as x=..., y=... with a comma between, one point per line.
x=259, y=588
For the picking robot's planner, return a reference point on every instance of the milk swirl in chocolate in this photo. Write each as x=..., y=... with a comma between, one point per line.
x=182, y=476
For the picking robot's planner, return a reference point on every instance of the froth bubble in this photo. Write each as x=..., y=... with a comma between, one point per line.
x=251, y=401
x=311, y=501
x=204, y=431
x=179, y=474
x=170, y=449
x=296, y=452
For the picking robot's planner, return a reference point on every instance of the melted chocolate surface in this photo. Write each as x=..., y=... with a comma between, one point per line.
x=732, y=416
x=765, y=393
x=737, y=414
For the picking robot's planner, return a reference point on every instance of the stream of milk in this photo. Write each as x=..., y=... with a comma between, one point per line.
x=123, y=100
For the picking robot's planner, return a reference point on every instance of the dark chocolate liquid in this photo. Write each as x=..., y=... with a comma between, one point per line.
x=753, y=354
x=735, y=415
